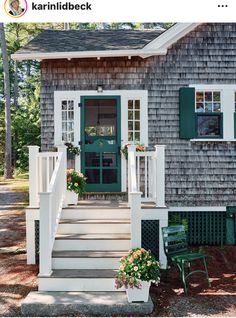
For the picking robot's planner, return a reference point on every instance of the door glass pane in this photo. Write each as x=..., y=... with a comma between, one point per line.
x=100, y=117
x=92, y=159
x=93, y=176
x=109, y=176
x=109, y=159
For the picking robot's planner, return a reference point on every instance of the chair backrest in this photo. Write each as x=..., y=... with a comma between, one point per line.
x=174, y=240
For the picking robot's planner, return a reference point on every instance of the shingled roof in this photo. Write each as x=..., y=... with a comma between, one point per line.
x=57, y=44
x=89, y=40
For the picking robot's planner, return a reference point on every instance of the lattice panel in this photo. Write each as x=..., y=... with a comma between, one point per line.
x=36, y=241
x=150, y=236
x=204, y=228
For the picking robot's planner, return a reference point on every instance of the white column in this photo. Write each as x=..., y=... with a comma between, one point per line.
x=131, y=149
x=135, y=207
x=163, y=222
x=33, y=176
x=160, y=175
x=45, y=240
x=30, y=241
x=63, y=149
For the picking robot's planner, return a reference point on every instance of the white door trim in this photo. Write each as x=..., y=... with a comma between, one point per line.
x=125, y=95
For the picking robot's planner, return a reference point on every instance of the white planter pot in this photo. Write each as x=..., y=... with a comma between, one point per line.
x=138, y=294
x=71, y=198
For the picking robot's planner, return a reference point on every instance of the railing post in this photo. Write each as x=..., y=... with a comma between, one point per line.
x=135, y=207
x=45, y=240
x=131, y=149
x=33, y=177
x=63, y=149
x=160, y=175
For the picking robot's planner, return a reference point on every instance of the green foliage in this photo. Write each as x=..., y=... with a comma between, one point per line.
x=176, y=219
x=76, y=181
x=138, y=265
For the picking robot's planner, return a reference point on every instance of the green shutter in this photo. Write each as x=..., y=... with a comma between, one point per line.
x=187, y=112
x=234, y=125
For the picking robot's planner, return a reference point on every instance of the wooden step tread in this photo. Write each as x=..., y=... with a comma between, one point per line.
x=90, y=221
x=83, y=273
x=94, y=236
x=89, y=254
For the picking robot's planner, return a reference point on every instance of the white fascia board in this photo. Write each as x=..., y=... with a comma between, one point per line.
x=170, y=36
x=86, y=54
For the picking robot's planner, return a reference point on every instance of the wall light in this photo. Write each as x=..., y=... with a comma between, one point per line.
x=99, y=89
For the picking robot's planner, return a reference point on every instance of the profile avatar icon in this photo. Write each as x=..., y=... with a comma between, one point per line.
x=16, y=9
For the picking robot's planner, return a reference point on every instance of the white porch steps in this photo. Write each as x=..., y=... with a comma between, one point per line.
x=87, y=249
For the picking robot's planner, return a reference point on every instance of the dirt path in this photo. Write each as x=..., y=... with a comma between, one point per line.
x=16, y=278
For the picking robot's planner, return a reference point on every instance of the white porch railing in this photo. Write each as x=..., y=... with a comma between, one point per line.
x=150, y=174
x=146, y=183
x=47, y=175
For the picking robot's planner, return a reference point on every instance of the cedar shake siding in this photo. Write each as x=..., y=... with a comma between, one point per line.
x=197, y=173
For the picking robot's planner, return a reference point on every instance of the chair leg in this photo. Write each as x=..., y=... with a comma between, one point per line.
x=206, y=270
x=183, y=277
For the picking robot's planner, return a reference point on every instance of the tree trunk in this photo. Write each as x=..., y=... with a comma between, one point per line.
x=8, y=164
x=15, y=84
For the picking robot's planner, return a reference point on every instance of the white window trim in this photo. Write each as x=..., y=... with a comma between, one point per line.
x=227, y=108
x=125, y=95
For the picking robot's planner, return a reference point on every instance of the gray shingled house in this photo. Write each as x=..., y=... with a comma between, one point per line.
x=174, y=92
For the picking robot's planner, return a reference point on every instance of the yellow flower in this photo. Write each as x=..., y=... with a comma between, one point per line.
x=135, y=255
x=149, y=263
x=135, y=268
x=131, y=260
x=121, y=267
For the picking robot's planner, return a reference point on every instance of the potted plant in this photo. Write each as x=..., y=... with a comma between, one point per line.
x=71, y=151
x=136, y=272
x=76, y=182
x=124, y=150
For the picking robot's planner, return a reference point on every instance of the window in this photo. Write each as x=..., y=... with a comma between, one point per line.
x=208, y=101
x=208, y=114
x=67, y=109
x=209, y=125
x=134, y=120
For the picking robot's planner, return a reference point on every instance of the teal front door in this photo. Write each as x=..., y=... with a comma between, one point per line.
x=100, y=143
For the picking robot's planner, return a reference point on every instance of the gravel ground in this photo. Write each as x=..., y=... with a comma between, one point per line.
x=17, y=279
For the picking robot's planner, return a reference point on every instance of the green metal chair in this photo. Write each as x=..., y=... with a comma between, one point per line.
x=177, y=252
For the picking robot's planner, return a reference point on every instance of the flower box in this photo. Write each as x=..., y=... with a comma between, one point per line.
x=71, y=198
x=141, y=294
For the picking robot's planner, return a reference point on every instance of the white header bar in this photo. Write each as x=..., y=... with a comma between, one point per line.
x=119, y=11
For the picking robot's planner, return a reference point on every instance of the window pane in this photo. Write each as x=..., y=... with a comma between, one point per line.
x=109, y=176
x=137, y=136
x=137, y=125
x=130, y=136
x=92, y=159
x=70, y=105
x=64, y=105
x=216, y=107
x=130, y=125
x=137, y=104
x=71, y=115
x=93, y=176
x=109, y=159
x=137, y=115
x=130, y=104
x=200, y=107
x=130, y=114
x=199, y=97
x=64, y=115
x=208, y=96
x=216, y=96
x=100, y=117
x=208, y=107
x=208, y=125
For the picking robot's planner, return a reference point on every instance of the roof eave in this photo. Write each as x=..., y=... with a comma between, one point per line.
x=87, y=54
